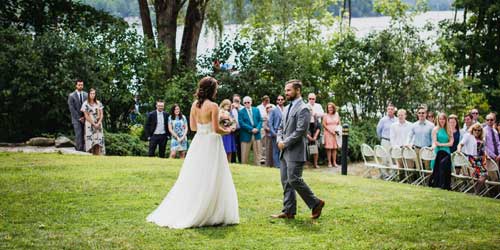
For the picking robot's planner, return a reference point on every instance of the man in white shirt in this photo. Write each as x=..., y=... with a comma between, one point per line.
x=400, y=131
x=263, y=114
x=317, y=109
x=157, y=129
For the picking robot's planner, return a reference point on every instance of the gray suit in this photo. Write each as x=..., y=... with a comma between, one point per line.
x=75, y=104
x=292, y=132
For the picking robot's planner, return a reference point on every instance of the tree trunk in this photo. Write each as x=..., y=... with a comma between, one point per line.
x=350, y=13
x=193, y=23
x=166, y=24
x=146, y=19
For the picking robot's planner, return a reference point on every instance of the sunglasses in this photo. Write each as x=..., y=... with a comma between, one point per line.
x=489, y=120
x=477, y=130
x=246, y=102
x=421, y=113
x=475, y=113
x=279, y=100
x=312, y=98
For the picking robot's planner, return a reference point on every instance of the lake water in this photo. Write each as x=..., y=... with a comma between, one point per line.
x=362, y=27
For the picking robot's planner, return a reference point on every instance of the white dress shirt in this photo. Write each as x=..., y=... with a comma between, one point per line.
x=160, y=124
x=399, y=133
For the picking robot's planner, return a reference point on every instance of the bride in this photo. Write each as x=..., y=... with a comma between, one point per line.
x=204, y=193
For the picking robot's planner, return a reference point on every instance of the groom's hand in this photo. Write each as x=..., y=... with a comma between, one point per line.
x=281, y=145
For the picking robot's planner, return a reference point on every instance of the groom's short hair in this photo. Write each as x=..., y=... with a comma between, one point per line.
x=297, y=84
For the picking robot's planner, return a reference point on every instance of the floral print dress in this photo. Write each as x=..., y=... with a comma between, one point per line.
x=178, y=126
x=93, y=136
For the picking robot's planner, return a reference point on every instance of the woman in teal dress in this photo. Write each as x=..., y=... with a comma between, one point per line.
x=178, y=127
x=442, y=140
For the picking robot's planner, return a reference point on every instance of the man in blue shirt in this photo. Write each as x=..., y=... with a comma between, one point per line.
x=384, y=133
x=421, y=133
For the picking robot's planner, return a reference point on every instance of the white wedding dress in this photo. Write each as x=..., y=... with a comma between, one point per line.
x=204, y=193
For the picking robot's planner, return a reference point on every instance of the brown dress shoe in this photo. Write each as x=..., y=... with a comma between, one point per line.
x=283, y=216
x=316, y=212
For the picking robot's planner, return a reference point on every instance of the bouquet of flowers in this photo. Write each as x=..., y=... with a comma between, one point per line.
x=225, y=120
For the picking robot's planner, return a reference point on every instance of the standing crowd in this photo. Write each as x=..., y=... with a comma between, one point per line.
x=254, y=130
x=477, y=141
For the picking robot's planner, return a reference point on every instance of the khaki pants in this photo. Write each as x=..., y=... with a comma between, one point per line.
x=263, y=143
x=245, y=151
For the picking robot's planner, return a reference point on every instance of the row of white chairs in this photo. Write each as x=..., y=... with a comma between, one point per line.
x=413, y=169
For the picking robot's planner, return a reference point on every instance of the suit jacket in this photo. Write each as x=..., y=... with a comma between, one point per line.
x=246, y=126
x=75, y=105
x=274, y=121
x=293, y=132
x=152, y=121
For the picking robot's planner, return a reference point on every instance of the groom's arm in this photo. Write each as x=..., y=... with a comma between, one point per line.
x=303, y=118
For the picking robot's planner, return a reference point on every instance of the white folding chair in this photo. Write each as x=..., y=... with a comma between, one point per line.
x=426, y=154
x=369, y=158
x=397, y=156
x=463, y=180
x=409, y=155
x=493, y=177
x=383, y=158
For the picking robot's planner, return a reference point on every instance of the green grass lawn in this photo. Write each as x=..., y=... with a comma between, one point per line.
x=51, y=201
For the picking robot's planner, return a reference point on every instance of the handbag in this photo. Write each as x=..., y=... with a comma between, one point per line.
x=313, y=149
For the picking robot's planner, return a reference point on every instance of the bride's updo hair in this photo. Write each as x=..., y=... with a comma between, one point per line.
x=206, y=90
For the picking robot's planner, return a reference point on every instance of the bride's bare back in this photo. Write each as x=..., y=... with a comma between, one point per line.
x=207, y=113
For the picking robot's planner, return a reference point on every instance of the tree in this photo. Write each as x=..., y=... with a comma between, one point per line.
x=473, y=46
x=193, y=23
x=146, y=19
x=166, y=25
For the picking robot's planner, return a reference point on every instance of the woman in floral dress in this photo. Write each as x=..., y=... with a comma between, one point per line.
x=178, y=127
x=94, y=136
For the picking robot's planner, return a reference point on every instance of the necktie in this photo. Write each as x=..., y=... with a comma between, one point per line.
x=495, y=142
x=81, y=99
x=288, y=111
x=250, y=115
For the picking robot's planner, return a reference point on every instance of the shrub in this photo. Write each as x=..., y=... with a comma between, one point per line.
x=125, y=145
x=359, y=133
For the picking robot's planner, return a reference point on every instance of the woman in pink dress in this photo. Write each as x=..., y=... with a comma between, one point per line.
x=330, y=122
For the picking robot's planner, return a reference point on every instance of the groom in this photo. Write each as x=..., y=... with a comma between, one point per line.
x=292, y=144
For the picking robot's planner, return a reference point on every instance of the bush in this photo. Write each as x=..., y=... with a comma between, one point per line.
x=359, y=133
x=125, y=145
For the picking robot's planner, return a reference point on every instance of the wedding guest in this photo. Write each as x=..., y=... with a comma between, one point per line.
x=269, y=146
x=331, y=123
x=274, y=121
x=317, y=114
x=442, y=140
x=263, y=114
x=421, y=133
x=400, y=130
x=467, y=124
x=317, y=109
x=75, y=102
x=178, y=128
x=455, y=131
x=313, y=143
x=235, y=109
x=94, y=136
x=475, y=116
x=472, y=145
x=250, y=135
x=457, y=136
x=384, y=133
x=228, y=140
x=431, y=117
x=156, y=129
x=492, y=140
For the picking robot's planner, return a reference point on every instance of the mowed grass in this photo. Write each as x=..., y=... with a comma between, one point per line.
x=51, y=201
